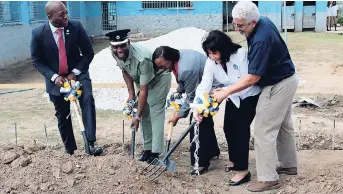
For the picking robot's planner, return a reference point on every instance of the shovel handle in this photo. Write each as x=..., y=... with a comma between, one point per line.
x=170, y=130
x=133, y=143
x=83, y=132
x=184, y=134
x=78, y=115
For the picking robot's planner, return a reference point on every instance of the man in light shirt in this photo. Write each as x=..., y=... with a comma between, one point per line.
x=328, y=16
x=334, y=14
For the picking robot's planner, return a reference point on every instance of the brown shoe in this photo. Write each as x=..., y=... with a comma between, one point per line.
x=288, y=171
x=263, y=186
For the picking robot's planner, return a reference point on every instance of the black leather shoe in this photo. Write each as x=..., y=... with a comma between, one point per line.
x=152, y=157
x=202, y=170
x=69, y=152
x=95, y=150
x=243, y=180
x=146, y=154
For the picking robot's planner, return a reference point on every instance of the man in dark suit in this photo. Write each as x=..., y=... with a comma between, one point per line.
x=55, y=52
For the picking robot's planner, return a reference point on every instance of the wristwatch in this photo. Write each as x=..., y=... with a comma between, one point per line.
x=138, y=118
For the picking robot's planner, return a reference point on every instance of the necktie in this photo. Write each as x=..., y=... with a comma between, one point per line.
x=62, y=55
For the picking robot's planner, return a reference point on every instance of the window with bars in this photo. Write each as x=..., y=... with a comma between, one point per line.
x=74, y=9
x=109, y=15
x=37, y=11
x=166, y=4
x=10, y=12
x=1, y=13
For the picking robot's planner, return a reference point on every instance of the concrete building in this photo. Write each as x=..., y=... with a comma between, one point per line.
x=18, y=18
x=300, y=15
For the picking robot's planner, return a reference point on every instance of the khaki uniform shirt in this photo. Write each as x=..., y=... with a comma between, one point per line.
x=139, y=66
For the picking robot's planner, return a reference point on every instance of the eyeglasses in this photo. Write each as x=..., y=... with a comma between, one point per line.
x=240, y=26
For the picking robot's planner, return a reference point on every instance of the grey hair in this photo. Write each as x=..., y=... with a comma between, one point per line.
x=246, y=10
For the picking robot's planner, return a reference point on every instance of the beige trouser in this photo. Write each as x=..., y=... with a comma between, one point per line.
x=274, y=131
x=331, y=21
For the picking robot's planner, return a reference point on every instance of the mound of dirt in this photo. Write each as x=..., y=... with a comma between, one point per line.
x=52, y=171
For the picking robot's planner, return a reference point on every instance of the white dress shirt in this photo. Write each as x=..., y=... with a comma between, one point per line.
x=237, y=67
x=334, y=10
x=54, y=33
x=328, y=10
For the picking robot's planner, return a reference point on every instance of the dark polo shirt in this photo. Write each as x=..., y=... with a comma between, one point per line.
x=268, y=54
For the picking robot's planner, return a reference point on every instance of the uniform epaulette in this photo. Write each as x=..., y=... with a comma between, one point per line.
x=141, y=53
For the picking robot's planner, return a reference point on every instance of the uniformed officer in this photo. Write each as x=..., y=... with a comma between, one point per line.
x=153, y=86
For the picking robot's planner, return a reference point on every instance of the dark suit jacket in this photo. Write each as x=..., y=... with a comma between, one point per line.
x=44, y=52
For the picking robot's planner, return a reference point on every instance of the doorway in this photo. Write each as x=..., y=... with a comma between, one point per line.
x=309, y=15
x=290, y=16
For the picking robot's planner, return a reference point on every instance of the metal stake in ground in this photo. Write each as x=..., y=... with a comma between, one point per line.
x=123, y=146
x=333, y=134
x=299, y=134
x=46, y=137
x=16, y=134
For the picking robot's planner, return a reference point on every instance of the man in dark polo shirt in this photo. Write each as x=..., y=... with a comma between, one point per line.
x=271, y=67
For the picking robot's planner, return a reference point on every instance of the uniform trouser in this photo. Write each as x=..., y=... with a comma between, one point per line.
x=237, y=123
x=274, y=131
x=207, y=140
x=153, y=115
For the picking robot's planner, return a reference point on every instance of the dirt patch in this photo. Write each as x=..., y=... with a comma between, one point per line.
x=337, y=68
x=54, y=172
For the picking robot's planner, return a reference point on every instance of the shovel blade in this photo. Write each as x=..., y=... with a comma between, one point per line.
x=171, y=167
x=168, y=167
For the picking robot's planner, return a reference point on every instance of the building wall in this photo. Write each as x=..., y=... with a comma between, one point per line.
x=93, y=14
x=15, y=43
x=16, y=36
x=321, y=16
x=272, y=10
x=204, y=14
x=299, y=8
